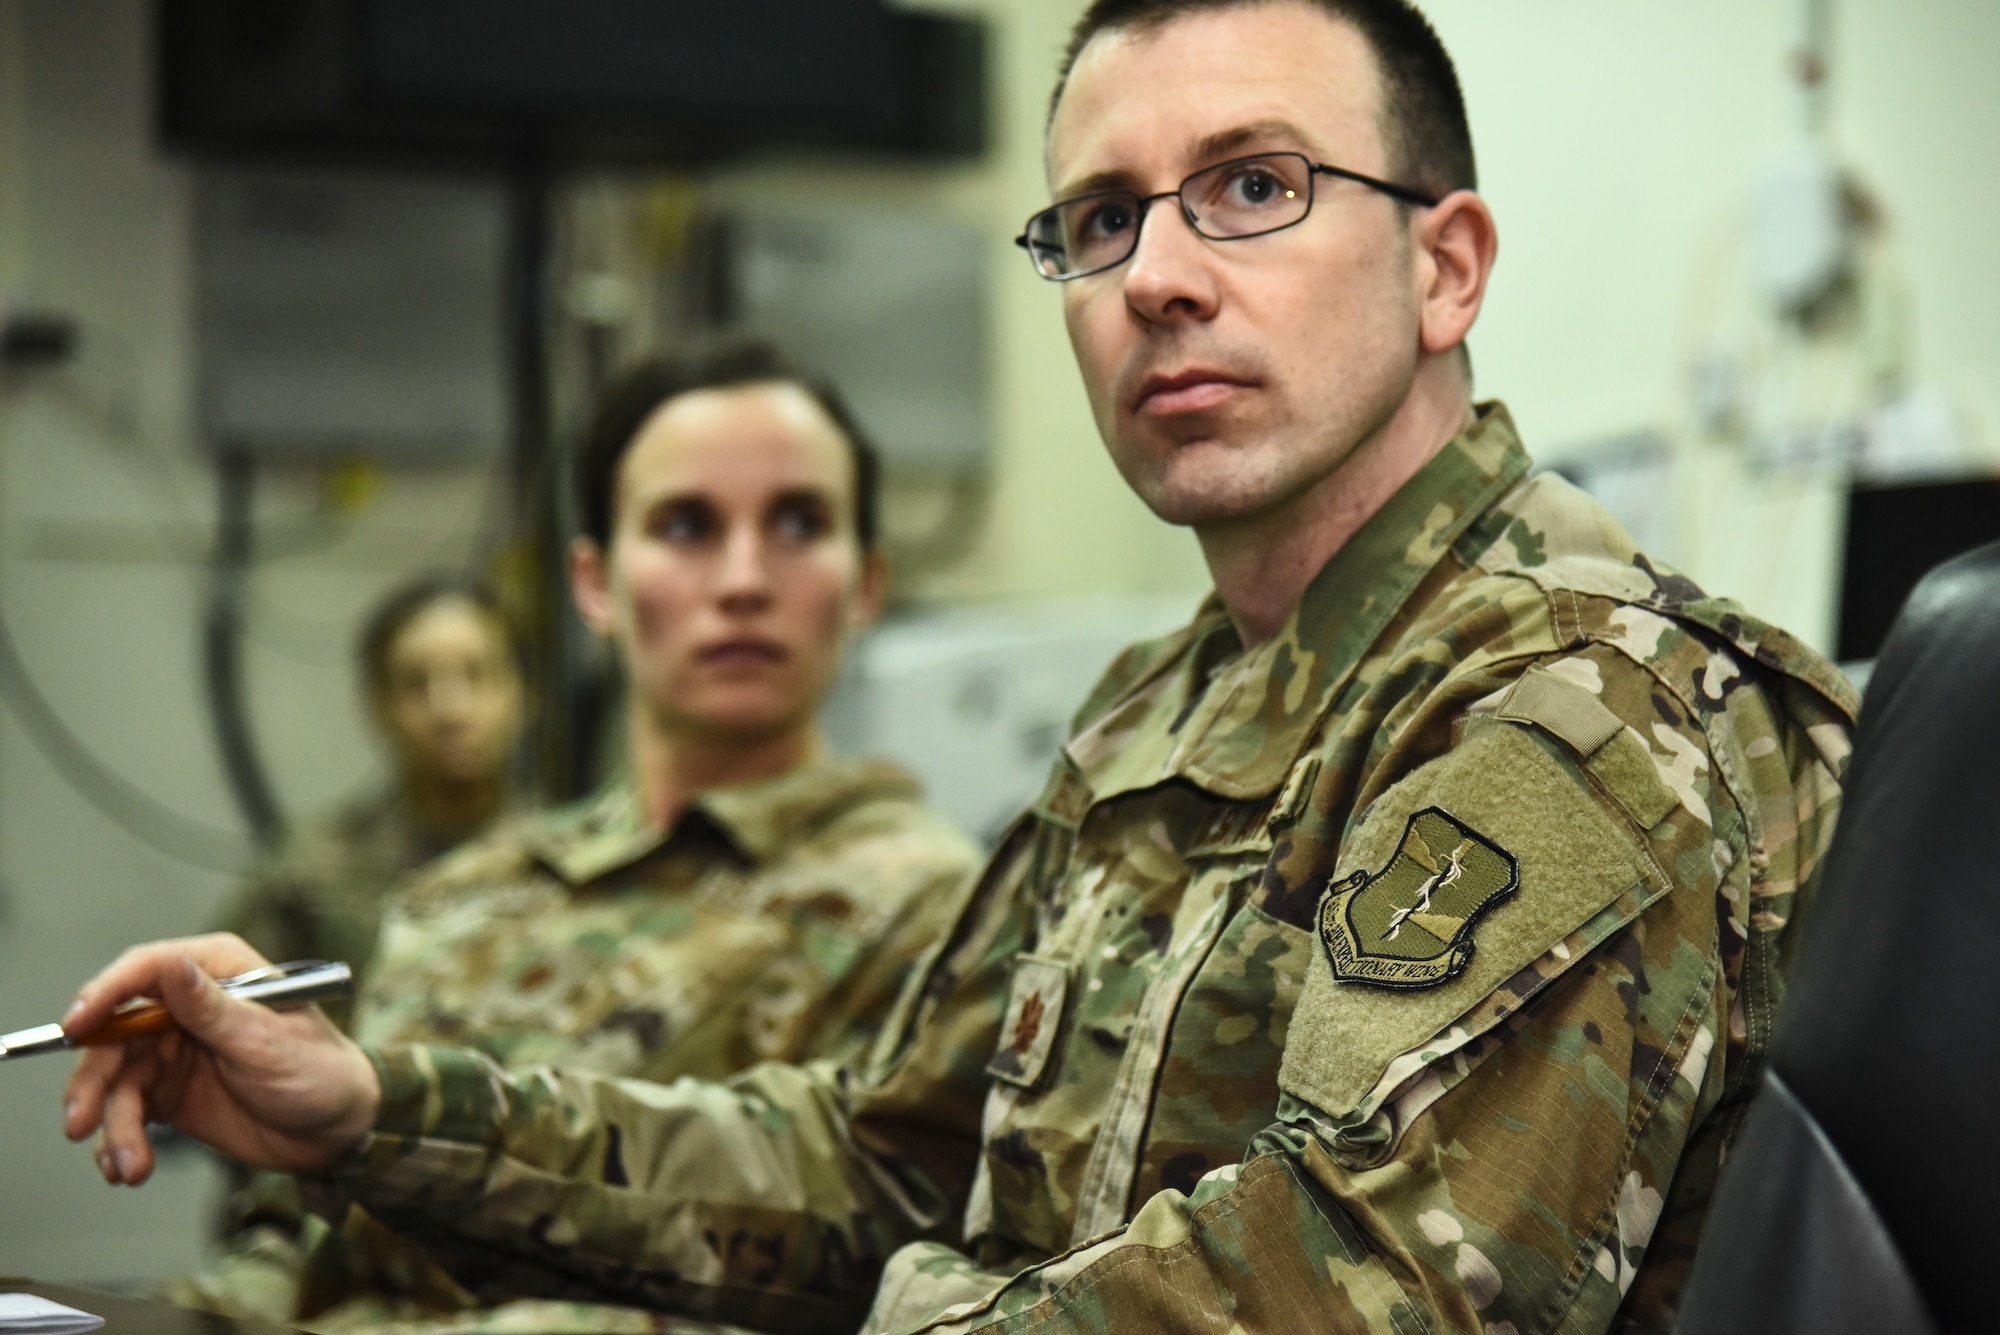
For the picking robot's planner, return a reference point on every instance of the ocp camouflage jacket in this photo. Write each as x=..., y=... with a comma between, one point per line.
x=1406, y=972
x=771, y=920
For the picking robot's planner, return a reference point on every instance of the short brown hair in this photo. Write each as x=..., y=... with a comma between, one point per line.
x=1423, y=108
x=637, y=393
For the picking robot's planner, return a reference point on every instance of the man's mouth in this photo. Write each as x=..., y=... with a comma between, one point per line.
x=1194, y=390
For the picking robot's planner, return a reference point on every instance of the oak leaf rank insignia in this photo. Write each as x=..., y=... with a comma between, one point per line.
x=1410, y=924
x=1034, y=1011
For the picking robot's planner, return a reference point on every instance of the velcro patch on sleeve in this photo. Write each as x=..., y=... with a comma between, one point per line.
x=1612, y=751
x=1564, y=708
x=1571, y=859
x=1626, y=769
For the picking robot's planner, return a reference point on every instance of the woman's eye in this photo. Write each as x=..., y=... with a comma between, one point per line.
x=802, y=521
x=684, y=523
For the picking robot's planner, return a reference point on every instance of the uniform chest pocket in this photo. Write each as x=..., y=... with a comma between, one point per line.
x=1033, y=1019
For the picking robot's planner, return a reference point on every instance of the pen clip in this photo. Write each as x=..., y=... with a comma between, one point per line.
x=291, y=969
x=286, y=986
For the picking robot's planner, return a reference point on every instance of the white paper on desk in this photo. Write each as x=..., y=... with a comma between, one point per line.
x=25, y=1314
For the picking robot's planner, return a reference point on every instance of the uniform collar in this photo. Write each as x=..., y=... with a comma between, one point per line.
x=762, y=821
x=379, y=823
x=1233, y=720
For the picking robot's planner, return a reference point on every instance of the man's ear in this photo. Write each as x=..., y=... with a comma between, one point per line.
x=1457, y=244
x=873, y=593
x=590, y=585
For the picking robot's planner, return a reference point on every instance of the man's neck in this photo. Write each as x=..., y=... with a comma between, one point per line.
x=671, y=768
x=1262, y=564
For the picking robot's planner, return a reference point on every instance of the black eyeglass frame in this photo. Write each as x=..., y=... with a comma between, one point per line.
x=1143, y=207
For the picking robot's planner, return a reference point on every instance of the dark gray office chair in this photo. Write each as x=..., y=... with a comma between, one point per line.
x=1863, y=1194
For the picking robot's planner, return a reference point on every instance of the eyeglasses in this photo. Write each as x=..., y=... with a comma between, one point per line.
x=1227, y=202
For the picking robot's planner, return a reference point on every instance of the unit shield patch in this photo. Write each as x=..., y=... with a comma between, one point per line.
x=1410, y=924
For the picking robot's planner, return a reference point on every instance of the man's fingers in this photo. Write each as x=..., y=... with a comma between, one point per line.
x=143, y=971
x=124, y=1140
x=83, y=1101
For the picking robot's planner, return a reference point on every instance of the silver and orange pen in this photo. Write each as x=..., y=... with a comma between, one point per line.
x=279, y=986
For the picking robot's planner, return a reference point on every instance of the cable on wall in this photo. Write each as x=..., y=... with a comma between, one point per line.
x=117, y=797
x=222, y=649
x=33, y=342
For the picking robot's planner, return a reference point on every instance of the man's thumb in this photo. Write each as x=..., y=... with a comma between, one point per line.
x=196, y=1001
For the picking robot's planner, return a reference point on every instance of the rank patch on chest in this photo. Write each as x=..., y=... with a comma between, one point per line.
x=1410, y=924
x=1034, y=1014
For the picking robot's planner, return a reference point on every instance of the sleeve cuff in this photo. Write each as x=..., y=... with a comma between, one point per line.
x=437, y=1133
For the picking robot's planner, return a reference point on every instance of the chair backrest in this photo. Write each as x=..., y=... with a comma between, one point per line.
x=1863, y=1193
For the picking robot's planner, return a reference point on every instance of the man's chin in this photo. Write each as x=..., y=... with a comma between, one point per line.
x=1196, y=497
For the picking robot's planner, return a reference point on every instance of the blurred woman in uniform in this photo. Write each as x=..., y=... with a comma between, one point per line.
x=735, y=893
x=442, y=678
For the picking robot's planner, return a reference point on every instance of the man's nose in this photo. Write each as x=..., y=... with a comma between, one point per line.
x=1170, y=274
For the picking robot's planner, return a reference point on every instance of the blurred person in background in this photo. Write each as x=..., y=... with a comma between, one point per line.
x=444, y=690
x=736, y=894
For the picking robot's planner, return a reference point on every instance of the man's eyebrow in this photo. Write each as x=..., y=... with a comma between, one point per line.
x=1208, y=149
x=1225, y=142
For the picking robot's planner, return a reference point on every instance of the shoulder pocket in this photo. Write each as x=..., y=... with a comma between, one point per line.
x=1423, y=877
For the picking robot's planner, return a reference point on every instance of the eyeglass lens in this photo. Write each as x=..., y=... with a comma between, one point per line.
x=1232, y=199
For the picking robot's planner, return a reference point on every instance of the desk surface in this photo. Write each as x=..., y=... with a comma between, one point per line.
x=138, y=1316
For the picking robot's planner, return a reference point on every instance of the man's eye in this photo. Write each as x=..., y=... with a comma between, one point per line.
x=1104, y=218
x=1253, y=187
x=802, y=521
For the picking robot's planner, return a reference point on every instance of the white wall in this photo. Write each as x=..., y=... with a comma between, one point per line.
x=102, y=538
x=1619, y=144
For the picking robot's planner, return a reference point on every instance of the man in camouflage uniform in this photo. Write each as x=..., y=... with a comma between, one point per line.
x=774, y=921
x=1391, y=950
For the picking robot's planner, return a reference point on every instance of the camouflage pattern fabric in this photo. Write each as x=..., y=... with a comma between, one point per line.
x=320, y=895
x=775, y=920
x=1159, y=1076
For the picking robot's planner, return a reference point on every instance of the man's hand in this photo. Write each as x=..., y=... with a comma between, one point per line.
x=270, y=1089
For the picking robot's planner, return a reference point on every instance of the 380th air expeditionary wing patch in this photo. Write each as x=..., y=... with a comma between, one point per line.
x=1410, y=924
